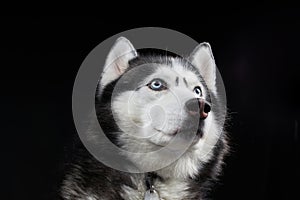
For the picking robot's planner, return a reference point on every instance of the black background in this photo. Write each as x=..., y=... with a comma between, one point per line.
x=257, y=53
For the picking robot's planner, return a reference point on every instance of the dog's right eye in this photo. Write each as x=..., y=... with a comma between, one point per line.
x=198, y=91
x=157, y=85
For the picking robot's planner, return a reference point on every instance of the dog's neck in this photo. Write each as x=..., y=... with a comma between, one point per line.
x=157, y=187
x=151, y=192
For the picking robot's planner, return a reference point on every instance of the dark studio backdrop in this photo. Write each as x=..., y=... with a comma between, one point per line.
x=257, y=54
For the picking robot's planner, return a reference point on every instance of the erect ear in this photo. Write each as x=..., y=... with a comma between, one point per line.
x=203, y=59
x=117, y=60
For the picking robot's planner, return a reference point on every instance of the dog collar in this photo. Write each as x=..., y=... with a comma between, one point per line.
x=151, y=193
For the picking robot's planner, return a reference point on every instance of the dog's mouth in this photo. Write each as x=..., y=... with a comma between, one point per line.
x=175, y=132
x=172, y=133
x=187, y=134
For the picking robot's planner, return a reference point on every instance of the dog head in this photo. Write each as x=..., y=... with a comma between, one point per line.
x=149, y=102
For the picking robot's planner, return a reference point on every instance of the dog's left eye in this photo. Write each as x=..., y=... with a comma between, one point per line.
x=198, y=91
x=157, y=85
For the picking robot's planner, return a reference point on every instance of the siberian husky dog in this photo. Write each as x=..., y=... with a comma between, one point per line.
x=166, y=104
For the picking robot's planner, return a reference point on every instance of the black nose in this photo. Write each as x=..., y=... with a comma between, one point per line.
x=198, y=107
x=206, y=108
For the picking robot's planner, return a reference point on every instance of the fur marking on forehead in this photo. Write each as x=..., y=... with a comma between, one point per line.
x=179, y=74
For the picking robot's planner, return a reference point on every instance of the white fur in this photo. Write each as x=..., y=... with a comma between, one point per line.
x=92, y=198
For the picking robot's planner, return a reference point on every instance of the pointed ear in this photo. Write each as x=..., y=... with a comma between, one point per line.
x=203, y=59
x=117, y=60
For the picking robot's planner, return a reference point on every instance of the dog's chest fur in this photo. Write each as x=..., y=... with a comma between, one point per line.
x=167, y=189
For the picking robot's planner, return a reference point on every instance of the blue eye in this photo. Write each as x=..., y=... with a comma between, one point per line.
x=198, y=91
x=157, y=85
